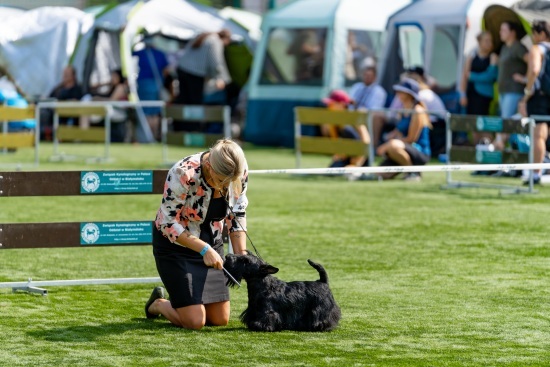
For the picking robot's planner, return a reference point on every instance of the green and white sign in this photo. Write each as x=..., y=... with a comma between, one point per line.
x=110, y=182
x=489, y=157
x=487, y=123
x=116, y=233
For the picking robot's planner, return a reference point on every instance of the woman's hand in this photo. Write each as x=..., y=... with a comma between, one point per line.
x=493, y=59
x=213, y=259
x=463, y=101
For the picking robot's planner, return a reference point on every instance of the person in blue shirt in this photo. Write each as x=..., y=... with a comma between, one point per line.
x=409, y=143
x=153, y=66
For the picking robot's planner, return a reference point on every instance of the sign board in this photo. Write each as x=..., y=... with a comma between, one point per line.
x=115, y=233
x=110, y=182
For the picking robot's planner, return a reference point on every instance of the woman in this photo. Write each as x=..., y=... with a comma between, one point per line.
x=535, y=102
x=201, y=191
x=479, y=75
x=512, y=60
x=203, y=59
x=338, y=100
x=409, y=143
x=118, y=91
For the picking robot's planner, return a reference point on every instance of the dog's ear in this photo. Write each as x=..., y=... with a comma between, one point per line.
x=268, y=269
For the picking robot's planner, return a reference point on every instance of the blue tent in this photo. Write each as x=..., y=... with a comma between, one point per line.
x=308, y=48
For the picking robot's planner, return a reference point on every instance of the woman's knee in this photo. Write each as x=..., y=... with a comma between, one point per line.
x=192, y=317
x=193, y=323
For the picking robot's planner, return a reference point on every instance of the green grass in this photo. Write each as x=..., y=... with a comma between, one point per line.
x=424, y=277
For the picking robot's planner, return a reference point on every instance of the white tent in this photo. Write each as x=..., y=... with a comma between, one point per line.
x=7, y=12
x=435, y=34
x=98, y=50
x=278, y=80
x=180, y=18
x=36, y=45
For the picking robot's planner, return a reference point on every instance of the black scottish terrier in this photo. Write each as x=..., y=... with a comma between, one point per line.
x=274, y=305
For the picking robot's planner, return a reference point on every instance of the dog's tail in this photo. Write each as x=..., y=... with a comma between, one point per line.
x=322, y=272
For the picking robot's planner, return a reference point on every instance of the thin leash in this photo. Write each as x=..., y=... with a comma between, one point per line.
x=245, y=231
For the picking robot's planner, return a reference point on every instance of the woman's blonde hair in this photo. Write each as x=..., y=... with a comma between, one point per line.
x=227, y=159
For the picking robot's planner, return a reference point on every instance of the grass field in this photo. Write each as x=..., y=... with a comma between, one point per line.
x=424, y=276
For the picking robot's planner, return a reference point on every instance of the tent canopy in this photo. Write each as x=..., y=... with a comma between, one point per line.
x=309, y=47
x=522, y=13
x=36, y=45
x=435, y=34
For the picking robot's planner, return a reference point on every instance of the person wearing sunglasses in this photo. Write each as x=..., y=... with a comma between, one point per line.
x=201, y=193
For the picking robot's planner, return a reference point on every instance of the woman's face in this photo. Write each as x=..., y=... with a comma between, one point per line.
x=505, y=32
x=486, y=42
x=337, y=106
x=405, y=98
x=115, y=79
x=538, y=37
x=219, y=181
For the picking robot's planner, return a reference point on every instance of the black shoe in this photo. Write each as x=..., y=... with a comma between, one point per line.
x=536, y=180
x=158, y=292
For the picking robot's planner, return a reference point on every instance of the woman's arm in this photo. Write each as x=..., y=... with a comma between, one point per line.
x=533, y=69
x=238, y=239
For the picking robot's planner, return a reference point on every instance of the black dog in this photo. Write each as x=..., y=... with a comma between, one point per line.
x=274, y=305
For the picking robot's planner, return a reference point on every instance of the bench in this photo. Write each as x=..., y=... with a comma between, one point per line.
x=317, y=116
x=16, y=140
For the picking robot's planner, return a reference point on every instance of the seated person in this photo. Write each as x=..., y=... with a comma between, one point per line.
x=339, y=100
x=409, y=143
x=118, y=91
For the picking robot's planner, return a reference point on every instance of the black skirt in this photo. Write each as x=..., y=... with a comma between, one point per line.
x=184, y=275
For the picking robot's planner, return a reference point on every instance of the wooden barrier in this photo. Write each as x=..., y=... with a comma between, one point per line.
x=91, y=134
x=204, y=115
x=473, y=154
x=323, y=145
x=78, y=234
x=16, y=140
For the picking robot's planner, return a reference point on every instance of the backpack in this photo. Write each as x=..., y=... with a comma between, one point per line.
x=544, y=75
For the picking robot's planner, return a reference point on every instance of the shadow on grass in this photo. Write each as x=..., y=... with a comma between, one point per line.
x=88, y=333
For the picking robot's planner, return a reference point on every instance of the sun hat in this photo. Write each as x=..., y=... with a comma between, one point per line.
x=338, y=96
x=409, y=86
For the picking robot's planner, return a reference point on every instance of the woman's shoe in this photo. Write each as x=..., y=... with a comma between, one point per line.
x=157, y=293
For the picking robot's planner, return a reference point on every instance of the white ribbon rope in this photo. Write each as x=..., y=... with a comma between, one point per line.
x=400, y=169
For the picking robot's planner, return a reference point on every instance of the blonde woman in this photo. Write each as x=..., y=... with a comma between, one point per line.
x=201, y=192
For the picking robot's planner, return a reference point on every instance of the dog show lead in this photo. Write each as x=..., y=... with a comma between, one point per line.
x=200, y=192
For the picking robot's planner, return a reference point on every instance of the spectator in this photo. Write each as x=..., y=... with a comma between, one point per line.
x=338, y=100
x=153, y=66
x=512, y=61
x=118, y=91
x=409, y=143
x=368, y=94
x=203, y=59
x=436, y=109
x=535, y=101
x=67, y=90
x=478, y=78
x=308, y=52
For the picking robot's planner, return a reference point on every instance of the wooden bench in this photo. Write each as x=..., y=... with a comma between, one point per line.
x=16, y=140
x=324, y=145
x=204, y=115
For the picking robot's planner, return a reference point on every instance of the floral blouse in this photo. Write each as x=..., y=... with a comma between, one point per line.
x=186, y=199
